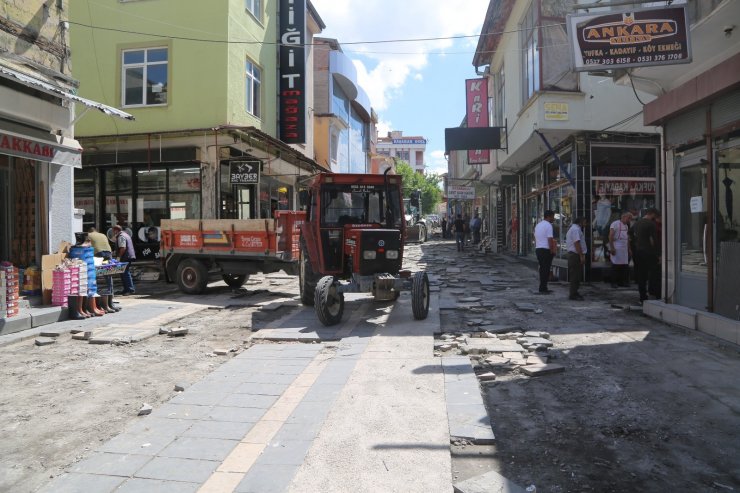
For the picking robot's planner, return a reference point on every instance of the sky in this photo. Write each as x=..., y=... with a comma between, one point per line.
x=417, y=87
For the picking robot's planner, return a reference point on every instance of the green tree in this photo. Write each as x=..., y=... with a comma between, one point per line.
x=428, y=183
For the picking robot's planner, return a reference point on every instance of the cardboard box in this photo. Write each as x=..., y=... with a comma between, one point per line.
x=48, y=262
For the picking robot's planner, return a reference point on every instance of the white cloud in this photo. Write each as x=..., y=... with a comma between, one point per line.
x=418, y=76
x=436, y=162
x=351, y=21
x=384, y=127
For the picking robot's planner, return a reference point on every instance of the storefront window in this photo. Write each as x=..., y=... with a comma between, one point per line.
x=151, y=181
x=185, y=179
x=184, y=206
x=118, y=180
x=84, y=183
x=623, y=180
x=693, y=219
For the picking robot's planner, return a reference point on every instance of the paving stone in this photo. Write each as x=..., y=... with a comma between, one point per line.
x=536, y=360
x=181, y=411
x=249, y=400
x=447, y=304
x=537, y=333
x=470, y=299
x=209, y=449
x=45, y=341
x=525, y=307
x=87, y=483
x=178, y=469
x=139, y=485
x=146, y=443
x=50, y=333
x=218, y=429
x=537, y=370
x=498, y=360
x=287, y=452
x=535, y=341
x=490, y=482
x=494, y=345
x=178, y=332
x=235, y=414
x=220, y=352
x=111, y=464
x=511, y=354
x=145, y=409
x=82, y=336
x=267, y=478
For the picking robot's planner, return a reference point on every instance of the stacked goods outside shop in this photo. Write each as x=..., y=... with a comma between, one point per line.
x=9, y=290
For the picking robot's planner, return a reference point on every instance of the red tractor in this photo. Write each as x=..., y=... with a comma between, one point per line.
x=352, y=242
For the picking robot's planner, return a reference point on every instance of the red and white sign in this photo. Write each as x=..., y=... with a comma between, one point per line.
x=476, y=91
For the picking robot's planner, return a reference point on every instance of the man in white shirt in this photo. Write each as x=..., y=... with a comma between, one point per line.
x=575, y=243
x=545, y=248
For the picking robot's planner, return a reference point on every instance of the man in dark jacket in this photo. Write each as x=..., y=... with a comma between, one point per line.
x=647, y=255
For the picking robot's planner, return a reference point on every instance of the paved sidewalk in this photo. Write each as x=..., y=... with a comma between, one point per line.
x=366, y=413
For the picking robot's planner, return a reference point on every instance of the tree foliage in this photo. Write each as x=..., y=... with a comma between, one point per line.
x=428, y=183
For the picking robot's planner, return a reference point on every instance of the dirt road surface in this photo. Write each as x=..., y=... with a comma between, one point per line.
x=640, y=406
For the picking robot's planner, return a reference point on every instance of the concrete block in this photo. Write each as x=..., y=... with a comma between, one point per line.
x=44, y=341
x=538, y=370
x=728, y=330
x=487, y=376
x=535, y=341
x=499, y=329
x=490, y=482
x=495, y=345
x=20, y=322
x=525, y=307
x=176, y=469
x=82, y=336
x=50, y=333
x=178, y=332
x=47, y=315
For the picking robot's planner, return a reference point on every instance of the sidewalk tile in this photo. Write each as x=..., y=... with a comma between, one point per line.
x=267, y=478
x=138, y=485
x=198, y=398
x=221, y=482
x=181, y=411
x=248, y=400
x=173, y=469
x=298, y=431
x=199, y=448
x=159, y=424
x=82, y=483
x=226, y=430
x=111, y=464
x=288, y=452
x=147, y=443
x=260, y=388
x=242, y=457
x=235, y=414
x=263, y=431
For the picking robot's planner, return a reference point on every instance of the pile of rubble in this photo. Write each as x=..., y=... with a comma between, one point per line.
x=495, y=348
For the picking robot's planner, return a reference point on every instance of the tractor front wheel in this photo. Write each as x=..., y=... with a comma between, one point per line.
x=420, y=295
x=306, y=278
x=328, y=303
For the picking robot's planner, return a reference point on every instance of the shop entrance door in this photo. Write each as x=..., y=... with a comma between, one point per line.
x=5, y=208
x=245, y=202
x=691, y=282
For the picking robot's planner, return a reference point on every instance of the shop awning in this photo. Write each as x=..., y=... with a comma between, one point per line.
x=31, y=143
x=40, y=85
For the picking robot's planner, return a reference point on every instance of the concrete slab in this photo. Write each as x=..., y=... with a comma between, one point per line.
x=525, y=307
x=490, y=482
x=89, y=483
x=111, y=464
x=20, y=322
x=47, y=315
x=178, y=469
x=538, y=370
x=139, y=485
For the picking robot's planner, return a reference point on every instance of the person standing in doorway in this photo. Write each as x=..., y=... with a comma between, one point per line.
x=575, y=242
x=545, y=248
x=475, y=225
x=444, y=227
x=619, y=249
x=646, y=250
x=126, y=253
x=459, y=233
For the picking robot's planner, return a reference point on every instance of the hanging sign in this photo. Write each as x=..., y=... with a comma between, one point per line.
x=476, y=91
x=244, y=172
x=634, y=38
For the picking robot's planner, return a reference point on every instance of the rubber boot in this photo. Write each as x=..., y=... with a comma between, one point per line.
x=92, y=307
x=84, y=304
x=103, y=304
x=115, y=308
x=73, y=308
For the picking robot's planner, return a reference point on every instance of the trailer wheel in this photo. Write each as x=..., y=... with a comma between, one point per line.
x=422, y=233
x=192, y=276
x=306, y=279
x=420, y=295
x=329, y=304
x=234, y=281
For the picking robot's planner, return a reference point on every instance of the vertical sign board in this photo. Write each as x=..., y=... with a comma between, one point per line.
x=292, y=110
x=635, y=38
x=476, y=96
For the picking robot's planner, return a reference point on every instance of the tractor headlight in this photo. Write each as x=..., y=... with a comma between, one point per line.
x=391, y=254
x=369, y=254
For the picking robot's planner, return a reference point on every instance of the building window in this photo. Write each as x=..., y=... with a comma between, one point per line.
x=145, y=77
x=255, y=8
x=499, y=110
x=403, y=155
x=530, y=52
x=254, y=82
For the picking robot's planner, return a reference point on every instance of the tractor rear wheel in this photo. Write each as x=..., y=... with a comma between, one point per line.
x=420, y=295
x=329, y=304
x=192, y=276
x=306, y=278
